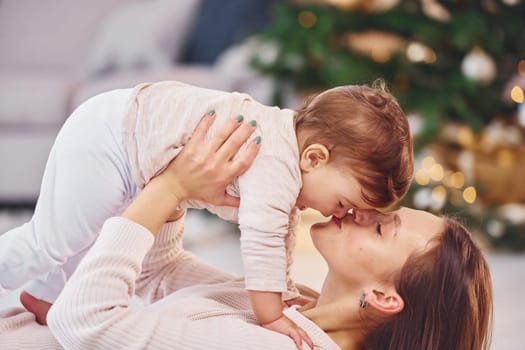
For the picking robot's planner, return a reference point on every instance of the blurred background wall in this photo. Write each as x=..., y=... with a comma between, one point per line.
x=456, y=66
x=54, y=54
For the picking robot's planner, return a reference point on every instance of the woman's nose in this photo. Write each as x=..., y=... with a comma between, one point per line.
x=367, y=217
x=364, y=216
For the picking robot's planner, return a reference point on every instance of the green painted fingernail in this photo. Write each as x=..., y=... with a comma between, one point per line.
x=212, y=112
x=257, y=140
x=240, y=118
x=253, y=122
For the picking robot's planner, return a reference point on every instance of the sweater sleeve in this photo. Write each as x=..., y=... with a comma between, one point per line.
x=93, y=311
x=19, y=330
x=268, y=195
x=167, y=267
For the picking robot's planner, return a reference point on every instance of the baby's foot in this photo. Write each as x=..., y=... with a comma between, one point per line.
x=36, y=306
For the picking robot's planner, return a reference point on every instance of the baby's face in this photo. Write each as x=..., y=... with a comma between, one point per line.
x=331, y=191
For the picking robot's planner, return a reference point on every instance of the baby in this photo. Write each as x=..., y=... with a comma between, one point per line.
x=348, y=147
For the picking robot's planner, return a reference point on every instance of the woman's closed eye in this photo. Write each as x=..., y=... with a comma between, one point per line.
x=378, y=229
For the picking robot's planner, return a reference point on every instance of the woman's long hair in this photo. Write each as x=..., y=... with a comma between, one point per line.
x=447, y=292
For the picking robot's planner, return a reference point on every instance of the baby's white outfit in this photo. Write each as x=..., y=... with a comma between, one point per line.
x=114, y=143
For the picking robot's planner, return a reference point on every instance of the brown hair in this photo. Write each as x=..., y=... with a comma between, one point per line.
x=447, y=292
x=365, y=129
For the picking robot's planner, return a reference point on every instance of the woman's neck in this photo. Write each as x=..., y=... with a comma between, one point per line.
x=337, y=312
x=346, y=336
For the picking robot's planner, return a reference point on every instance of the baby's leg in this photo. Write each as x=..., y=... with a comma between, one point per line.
x=86, y=180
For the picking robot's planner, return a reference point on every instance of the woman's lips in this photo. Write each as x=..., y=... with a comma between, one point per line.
x=337, y=221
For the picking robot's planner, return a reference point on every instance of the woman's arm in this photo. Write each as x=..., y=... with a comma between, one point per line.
x=168, y=267
x=93, y=310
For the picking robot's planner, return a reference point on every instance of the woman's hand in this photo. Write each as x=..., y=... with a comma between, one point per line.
x=201, y=171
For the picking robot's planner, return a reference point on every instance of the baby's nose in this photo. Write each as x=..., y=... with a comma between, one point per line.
x=340, y=213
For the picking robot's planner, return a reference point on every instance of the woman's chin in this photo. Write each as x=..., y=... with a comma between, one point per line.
x=320, y=227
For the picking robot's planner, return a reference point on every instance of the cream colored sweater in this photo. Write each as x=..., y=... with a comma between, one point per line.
x=160, y=120
x=193, y=305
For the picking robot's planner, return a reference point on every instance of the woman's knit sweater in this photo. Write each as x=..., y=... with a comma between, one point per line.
x=191, y=305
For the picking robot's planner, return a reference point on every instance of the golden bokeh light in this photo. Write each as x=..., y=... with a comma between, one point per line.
x=516, y=94
x=428, y=162
x=457, y=179
x=439, y=193
x=307, y=19
x=469, y=194
x=436, y=172
x=422, y=177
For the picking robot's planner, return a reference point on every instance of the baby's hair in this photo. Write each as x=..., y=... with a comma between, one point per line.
x=367, y=132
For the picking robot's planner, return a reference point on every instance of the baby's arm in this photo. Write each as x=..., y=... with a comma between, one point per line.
x=267, y=306
x=268, y=309
x=268, y=194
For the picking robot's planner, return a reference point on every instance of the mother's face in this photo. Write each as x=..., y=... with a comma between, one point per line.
x=369, y=246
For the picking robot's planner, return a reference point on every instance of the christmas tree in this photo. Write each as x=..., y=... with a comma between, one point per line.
x=457, y=68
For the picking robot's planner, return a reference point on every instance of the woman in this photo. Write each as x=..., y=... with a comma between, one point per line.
x=403, y=280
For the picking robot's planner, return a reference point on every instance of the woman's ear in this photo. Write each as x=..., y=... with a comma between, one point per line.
x=314, y=156
x=388, y=302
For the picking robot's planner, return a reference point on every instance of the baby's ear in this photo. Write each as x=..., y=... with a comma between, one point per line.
x=314, y=156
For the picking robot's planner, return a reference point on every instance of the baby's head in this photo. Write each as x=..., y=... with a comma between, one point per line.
x=355, y=149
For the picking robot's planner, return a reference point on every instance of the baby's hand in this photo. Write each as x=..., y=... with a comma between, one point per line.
x=287, y=327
